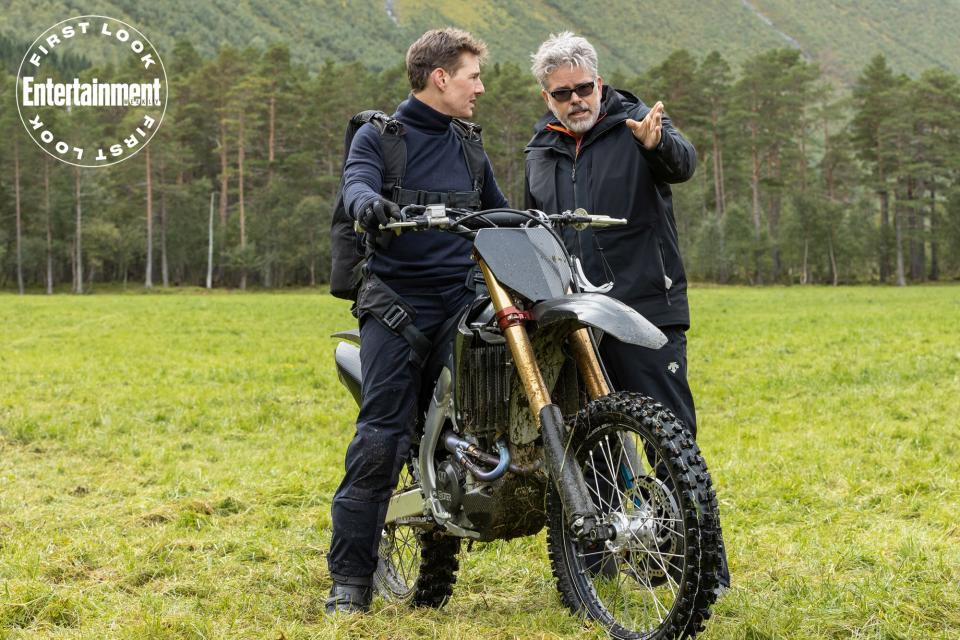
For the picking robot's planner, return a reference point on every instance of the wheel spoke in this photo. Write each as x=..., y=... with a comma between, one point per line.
x=400, y=551
x=618, y=502
x=595, y=476
x=620, y=598
x=635, y=577
x=656, y=556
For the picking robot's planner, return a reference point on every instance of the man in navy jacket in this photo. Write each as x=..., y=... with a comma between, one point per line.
x=426, y=271
x=606, y=151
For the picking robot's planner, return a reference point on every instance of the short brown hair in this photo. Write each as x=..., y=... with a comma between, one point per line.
x=440, y=48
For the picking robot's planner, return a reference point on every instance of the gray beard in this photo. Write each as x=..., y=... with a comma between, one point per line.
x=579, y=126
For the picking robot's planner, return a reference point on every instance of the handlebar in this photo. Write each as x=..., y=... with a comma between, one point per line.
x=423, y=217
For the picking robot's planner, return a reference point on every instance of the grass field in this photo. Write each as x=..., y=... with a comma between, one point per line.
x=167, y=461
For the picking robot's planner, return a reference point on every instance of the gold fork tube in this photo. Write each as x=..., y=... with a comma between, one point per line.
x=588, y=364
x=520, y=347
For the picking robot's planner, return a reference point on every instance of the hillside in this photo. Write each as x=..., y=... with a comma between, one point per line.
x=631, y=36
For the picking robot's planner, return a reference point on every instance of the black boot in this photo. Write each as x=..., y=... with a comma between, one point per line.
x=349, y=598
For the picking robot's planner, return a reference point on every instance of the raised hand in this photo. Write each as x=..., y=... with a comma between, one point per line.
x=648, y=130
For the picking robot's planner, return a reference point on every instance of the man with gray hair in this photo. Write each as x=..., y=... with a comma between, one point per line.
x=604, y=150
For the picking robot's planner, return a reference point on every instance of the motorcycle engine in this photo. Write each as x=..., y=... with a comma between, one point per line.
x=450, y=483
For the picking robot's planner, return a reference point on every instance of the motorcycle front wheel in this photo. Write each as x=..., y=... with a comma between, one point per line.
x=648, y=481
x=417, y=565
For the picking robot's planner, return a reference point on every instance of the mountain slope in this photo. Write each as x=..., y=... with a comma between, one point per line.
x=631, y=36
x=842, y=35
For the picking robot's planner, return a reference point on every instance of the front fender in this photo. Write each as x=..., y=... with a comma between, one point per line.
x=600, y=312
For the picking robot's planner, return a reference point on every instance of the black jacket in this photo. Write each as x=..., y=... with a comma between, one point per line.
x=613, y=174
x=435, y=162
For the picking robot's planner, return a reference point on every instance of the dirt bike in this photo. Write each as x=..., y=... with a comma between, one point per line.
x=519, y=429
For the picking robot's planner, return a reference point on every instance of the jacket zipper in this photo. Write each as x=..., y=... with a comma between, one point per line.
x=663, y=271
x=573, y=171
x=576, y=156
x=573, y=178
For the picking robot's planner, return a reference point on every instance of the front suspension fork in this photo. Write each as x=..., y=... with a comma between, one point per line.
x=588, y=364
x=564, y=472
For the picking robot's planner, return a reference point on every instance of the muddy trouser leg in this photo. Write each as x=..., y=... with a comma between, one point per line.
x=375, y=456
x=662, y=375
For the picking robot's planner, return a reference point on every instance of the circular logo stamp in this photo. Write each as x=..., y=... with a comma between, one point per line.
x=103, y=114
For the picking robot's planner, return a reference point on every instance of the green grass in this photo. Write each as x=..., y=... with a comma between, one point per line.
x=166, y=466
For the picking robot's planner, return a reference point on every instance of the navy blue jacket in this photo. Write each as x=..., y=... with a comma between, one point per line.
x=610, y=172
x=435, y=162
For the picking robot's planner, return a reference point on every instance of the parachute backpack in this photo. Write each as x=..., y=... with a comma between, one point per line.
x=349, y=250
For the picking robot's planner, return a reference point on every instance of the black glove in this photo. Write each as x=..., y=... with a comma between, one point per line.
x=378, y=212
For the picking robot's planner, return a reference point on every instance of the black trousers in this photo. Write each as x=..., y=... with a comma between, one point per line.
x=662, y=375
x=658, y=373
x=390, y=389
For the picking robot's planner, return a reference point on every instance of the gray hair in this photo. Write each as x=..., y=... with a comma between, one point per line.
x=563, y=49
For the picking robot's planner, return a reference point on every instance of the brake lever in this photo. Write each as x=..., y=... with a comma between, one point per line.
x=434, y=217
x=399, y=226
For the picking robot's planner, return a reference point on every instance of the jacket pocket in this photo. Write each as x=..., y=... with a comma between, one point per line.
x=635, y=256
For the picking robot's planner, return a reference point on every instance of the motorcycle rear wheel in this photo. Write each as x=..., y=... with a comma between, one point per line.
x=416, y=565
x=646, y=477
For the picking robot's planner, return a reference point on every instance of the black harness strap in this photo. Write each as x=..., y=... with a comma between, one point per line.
x=374, y=296
x=473, y=152
x=456, y=199
x=382, y=302
x=394, y=152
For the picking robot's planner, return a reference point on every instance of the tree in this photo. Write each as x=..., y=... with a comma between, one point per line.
x=936, y=102
x=714, y=79
x=674, y=82
x=873, y=131
x=19, y=217
x=11, y=129
x=771, y=98
x=78, y=241
x=797, y=182
x=148, y=282
x=507, y=112
x=49, y=223
x=215, y=82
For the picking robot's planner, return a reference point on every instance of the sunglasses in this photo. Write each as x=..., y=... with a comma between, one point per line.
x=583, y=90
